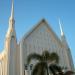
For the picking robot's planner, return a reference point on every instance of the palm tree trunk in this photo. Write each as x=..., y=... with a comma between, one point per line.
x=47, y=70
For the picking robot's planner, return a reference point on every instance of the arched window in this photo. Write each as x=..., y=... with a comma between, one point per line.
x=31, y=66
x=25, y=67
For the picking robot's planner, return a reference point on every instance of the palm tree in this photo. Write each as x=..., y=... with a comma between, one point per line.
x=41, y=68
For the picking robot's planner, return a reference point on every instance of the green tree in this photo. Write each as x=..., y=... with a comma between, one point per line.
x=45, y=59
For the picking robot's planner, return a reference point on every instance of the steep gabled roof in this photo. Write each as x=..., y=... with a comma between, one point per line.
x=36, y=26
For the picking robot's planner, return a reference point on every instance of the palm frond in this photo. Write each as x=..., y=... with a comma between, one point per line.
x=56, y=70
x=54, y=56
x=34, y=56
x=45, y=55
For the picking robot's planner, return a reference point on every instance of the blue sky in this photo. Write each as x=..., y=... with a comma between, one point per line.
x=29, y=12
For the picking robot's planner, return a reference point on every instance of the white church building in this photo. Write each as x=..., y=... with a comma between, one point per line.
x=40, y=38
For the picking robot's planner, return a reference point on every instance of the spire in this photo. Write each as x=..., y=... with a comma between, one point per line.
x=11, y=28
x=11, y=19
x=63, y=38
x=61, y=29
x=12, y=10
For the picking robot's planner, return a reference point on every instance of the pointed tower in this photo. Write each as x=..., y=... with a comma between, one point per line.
x=11, y=45
x=11, y=28
x=67, y=51
x=63, y=39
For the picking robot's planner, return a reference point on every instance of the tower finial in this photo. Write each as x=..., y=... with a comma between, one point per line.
x=12, y=10
x=11, y=19
x=61, y=29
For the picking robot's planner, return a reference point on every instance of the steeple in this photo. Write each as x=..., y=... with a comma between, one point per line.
x=12, y=10
x=63, y=38
x=61, y=29
x=11, y=19
x=11, y=45
x=11, y=28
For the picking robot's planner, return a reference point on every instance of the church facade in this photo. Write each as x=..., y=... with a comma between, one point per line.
x=40, y=38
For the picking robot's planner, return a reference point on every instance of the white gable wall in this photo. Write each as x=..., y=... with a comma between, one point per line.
x=42, y=38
